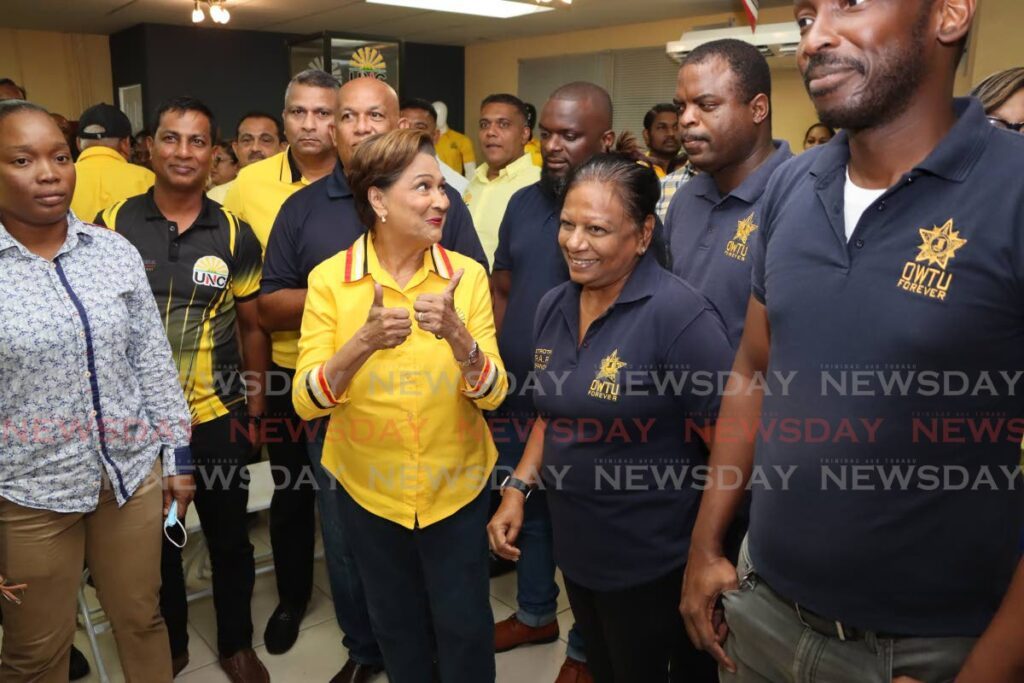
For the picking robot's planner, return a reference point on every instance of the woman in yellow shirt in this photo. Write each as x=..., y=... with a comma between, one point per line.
x=398, y=348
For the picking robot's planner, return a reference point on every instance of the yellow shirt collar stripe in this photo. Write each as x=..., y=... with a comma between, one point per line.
x=361, y=257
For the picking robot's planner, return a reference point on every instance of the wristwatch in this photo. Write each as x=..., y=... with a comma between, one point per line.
x=474, y=356
x=519, y=485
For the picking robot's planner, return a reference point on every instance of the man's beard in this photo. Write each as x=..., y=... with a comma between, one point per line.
x=552, y=184
x=889, y=94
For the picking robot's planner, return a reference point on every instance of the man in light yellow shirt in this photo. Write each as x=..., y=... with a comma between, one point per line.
x=104, y=174
x=503, y=133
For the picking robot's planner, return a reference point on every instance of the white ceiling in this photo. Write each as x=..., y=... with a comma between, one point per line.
x=354, y=16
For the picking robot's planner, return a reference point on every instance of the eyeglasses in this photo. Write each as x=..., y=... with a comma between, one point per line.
x=1006, y=125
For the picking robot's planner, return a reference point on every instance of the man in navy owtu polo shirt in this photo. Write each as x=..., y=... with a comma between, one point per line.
x=313, y=225
x=887, y=497
x=724, y=99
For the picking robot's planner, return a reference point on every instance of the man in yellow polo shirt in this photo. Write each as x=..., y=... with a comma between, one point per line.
x=503, y=132
x=258, y=136
x=104, y=174
x=256, y=196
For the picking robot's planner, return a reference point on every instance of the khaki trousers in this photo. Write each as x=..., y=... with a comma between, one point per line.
x=47, y=550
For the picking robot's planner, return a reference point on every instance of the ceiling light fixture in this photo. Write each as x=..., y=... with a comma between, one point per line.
x=218, y=12
x=501, y=9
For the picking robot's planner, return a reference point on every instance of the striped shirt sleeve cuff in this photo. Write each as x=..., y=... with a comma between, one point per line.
x=319, y=389
x=485, y=381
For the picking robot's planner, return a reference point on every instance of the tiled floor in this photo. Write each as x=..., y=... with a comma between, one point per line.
x=318, y=654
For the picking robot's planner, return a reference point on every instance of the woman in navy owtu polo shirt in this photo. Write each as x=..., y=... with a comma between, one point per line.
x=623, y=355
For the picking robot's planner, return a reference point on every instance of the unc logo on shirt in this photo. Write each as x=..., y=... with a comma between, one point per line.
x=926, y=275
x=737, y=247
x=606, y=384
x=210, y=271
x=541, y=358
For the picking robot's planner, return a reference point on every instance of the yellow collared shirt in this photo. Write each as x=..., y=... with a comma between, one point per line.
x=533, y=149
x=104, y=177
x=407, y=439
x=456, y=150
x=255, y=196
x=219, y=193
x=487, y=198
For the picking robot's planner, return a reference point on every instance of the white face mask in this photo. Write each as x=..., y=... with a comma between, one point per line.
x=173, y=521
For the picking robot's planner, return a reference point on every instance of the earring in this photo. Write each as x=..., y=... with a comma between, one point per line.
x=383, y=217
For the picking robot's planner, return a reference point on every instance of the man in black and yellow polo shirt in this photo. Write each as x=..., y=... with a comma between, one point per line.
x=204, y=264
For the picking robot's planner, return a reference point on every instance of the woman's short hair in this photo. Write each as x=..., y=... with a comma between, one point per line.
x=995, y=90
x=636, y=185
x=379, y=161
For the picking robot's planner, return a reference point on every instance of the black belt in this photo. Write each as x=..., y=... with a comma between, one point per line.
x=831, y=628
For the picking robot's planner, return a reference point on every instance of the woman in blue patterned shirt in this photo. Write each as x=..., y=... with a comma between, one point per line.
x=92, y=418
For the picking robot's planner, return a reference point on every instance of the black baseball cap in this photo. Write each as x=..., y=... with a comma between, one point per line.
x=108, y=117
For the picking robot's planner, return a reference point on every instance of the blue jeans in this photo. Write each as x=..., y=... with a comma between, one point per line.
x=346, y=587
x=428, y=592
x=537, y=592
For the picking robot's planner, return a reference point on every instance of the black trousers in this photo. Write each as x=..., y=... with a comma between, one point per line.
x=427, y=590
x=220, y=453
x=292, y=509
x=636, y=635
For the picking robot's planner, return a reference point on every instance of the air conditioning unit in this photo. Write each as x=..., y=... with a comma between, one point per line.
x=771, y=39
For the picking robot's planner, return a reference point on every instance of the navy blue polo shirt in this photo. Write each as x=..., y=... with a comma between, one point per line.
x=904, y=512
x=320, y=220
x=625, y=412
x=709, y=235
x=528, y=249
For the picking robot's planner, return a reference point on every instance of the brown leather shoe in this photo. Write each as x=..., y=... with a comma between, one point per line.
x=574, y=672
x=245, y=667
x=512, y=633
x=356, y=673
